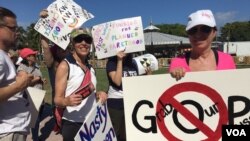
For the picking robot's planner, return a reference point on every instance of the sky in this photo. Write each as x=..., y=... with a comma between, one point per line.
x=157, y=11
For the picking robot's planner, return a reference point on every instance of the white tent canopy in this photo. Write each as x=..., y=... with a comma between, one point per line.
x=152, y=37
x=157, y=38
x=151, y=28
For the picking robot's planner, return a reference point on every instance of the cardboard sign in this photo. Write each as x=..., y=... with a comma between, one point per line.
x=144, y=61
x=35, y=97
x=97, y=126
x=63, y=17
x=124, y=34
x=194, y=107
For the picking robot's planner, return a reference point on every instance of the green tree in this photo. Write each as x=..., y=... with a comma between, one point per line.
x=236, y=31
x=173, y=29
x=33, y=37
x=21, y=40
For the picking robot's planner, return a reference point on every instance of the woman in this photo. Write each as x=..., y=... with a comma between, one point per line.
x=69, y=76
x=28, y=64
x=201, y=30
x=117, y=67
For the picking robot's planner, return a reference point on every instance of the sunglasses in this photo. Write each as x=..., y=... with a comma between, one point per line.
x=12, y=28
x=204, y=29
x=80, y=38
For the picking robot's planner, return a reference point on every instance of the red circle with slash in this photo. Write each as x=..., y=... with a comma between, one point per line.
x=168, y=97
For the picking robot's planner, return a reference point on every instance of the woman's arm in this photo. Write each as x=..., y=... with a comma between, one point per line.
x=116, y=76
x=48, y=57
x=60, y=88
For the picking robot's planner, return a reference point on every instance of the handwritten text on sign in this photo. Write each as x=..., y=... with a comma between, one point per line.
x=63, y=17
x=124, y=34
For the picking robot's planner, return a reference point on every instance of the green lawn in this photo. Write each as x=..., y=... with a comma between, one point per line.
x=102, y=82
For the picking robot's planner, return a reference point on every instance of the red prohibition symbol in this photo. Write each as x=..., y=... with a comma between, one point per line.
x=168, y=97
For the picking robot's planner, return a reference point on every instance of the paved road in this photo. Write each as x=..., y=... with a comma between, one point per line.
x=46, y=127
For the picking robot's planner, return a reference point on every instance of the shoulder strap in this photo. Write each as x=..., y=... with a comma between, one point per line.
x=216, y=56
x=187, y=57
x=86, y=78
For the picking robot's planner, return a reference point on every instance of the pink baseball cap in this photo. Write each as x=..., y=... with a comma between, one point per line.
x=201, y=17
x=26, y=52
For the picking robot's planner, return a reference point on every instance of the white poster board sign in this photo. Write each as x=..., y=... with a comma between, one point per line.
x=193, y=108
x=63, y=17
x=144, y=61
x=97, y=126
x=124, y=34
x=35, y=97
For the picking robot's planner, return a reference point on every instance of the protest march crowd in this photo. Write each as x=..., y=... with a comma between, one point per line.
x=73, y=80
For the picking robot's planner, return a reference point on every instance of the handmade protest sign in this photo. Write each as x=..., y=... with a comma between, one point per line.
x=97, y=126
x=124, y=34
x=144, y=61
x=195, y=107
x=63, y=17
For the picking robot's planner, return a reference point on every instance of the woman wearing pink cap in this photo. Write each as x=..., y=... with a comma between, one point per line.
x=201, y=30
x=28, y=64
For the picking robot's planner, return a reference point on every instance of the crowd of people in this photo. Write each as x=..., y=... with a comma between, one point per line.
x=69, y=69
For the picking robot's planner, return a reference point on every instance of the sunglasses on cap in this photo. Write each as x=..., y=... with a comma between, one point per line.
x=204, y=29
x=78, y=39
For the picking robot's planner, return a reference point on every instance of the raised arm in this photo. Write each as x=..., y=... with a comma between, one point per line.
x=48, y=57
x=116, y=76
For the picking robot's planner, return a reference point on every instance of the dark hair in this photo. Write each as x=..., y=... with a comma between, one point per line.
x=128, y=60
x=4, y=12
x=25, y=62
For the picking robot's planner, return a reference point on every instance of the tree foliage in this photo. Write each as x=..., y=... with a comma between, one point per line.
x=173, y=29
x=29, y=37
x=33, y=37
x=236, y=31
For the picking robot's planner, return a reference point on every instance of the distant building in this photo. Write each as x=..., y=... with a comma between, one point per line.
x=164, y=45
x=237, y=48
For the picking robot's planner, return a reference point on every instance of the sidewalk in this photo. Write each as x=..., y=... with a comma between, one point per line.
x=46, y=127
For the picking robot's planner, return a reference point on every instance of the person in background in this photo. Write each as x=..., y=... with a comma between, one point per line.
x=201, y=29
x=15, y=116
x=70, y=74
x=53, y=55
x=117, y=67
x=28, y=64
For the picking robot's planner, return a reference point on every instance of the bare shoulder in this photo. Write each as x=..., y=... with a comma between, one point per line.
x=63, y=67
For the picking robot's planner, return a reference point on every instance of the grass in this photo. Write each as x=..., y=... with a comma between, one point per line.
x=102, y=82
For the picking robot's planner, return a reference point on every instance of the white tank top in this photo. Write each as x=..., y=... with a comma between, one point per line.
x=78, y=113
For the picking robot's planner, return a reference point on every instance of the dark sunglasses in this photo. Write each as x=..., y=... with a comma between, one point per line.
x=12, y=28
x=78, y=39
x=204, y=29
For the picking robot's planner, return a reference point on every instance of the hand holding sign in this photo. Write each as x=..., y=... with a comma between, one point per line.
x=146, y=63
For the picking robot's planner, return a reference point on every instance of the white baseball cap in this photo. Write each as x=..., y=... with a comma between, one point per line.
x=201, y=17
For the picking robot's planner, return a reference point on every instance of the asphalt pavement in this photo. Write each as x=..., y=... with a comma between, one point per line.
x=47, y=123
